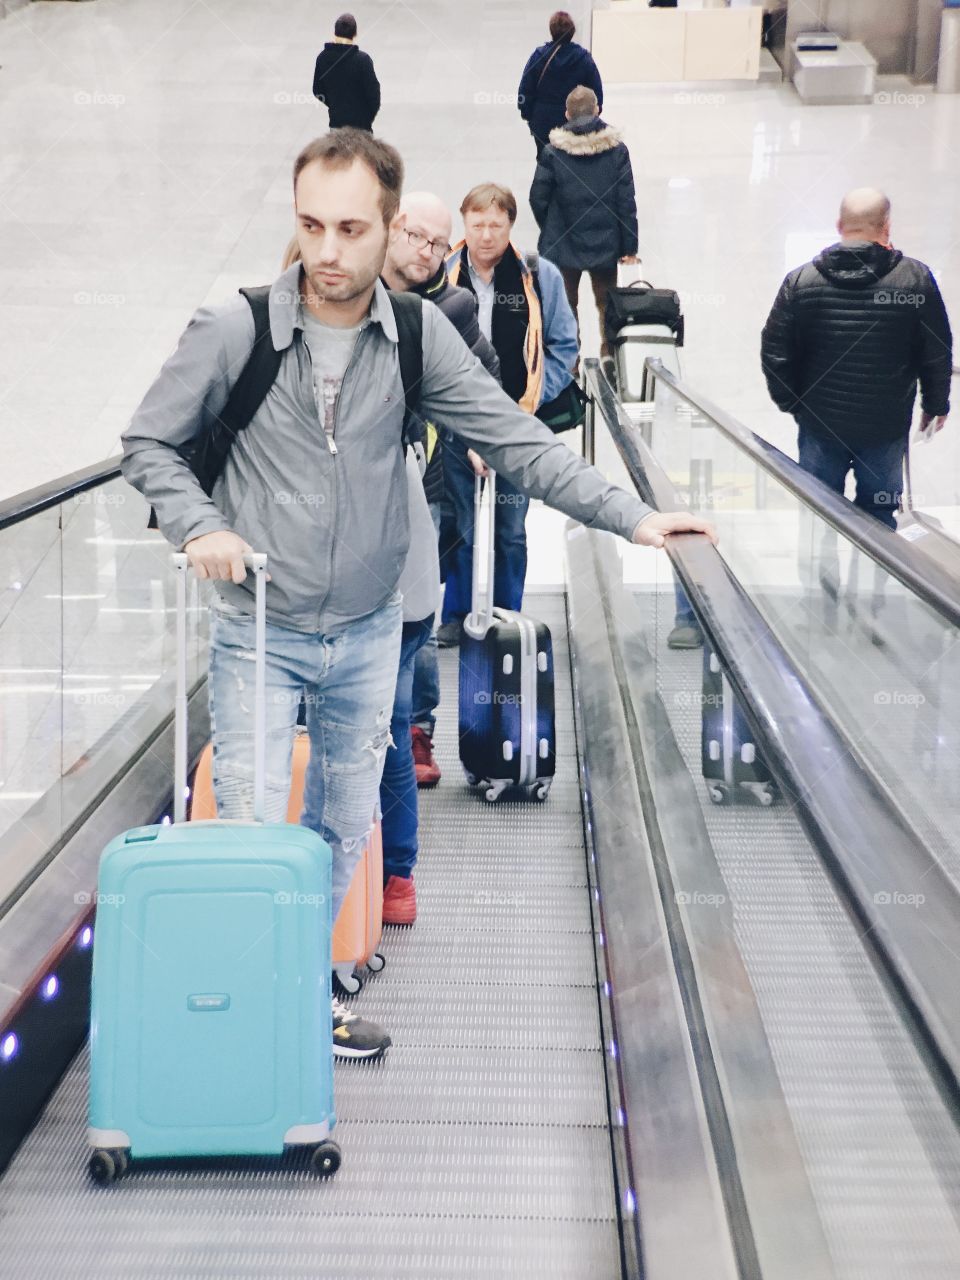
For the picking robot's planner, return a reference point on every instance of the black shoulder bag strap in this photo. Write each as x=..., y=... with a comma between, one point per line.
x=408, y=311
x=207, y=456
x=532, y=259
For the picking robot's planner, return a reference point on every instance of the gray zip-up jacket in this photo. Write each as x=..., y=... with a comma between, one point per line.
x=335, y=525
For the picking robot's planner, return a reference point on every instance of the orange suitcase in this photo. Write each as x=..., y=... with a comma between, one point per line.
x=358, y=927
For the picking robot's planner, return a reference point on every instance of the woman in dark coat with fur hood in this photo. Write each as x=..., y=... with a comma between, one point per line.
x=584, y=201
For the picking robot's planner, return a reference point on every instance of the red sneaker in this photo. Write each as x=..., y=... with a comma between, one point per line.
x=428, y=771
x=399, y=901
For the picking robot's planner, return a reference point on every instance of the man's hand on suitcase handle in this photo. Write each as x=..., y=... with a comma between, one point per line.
x=219, y=555
x=651, y=530
x=480, y=468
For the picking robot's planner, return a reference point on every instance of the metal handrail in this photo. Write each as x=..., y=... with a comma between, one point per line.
x=32, y=501
x=928, y=577
x=864, y=839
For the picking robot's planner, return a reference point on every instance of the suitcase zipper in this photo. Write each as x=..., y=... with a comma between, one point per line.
x=726, y=697
x=528, y=700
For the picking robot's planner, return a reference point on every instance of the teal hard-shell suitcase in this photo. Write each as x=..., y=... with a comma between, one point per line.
x=211, y=1032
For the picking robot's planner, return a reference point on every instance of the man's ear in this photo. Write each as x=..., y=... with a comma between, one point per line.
x=397, y=224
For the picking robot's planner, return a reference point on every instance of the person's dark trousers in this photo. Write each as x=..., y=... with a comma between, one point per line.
x=684, y=617
x=426, y=672
x=510, y=538
x=877, y=469
x=398, y=785
x=603, y=280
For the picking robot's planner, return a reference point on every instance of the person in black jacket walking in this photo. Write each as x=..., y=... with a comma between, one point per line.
x=552, y=71
x=849, y=337
x=584, y=202
x=345, y=80
x=415, y=261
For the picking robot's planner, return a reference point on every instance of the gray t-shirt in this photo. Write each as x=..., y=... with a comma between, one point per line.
x=330, y=351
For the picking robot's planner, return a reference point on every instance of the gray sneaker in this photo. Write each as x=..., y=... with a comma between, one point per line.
x=685, y=635
x=354, y=1037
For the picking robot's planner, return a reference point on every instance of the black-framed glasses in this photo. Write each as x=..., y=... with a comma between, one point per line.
x=439, y=248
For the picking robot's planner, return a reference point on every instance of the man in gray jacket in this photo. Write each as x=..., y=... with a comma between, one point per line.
x=318, y=481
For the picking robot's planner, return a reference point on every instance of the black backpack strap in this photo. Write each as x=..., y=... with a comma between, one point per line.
x=259, y=373
x=207, y=456
x=408, y=312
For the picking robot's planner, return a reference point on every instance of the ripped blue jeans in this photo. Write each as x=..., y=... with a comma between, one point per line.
x=347, y=681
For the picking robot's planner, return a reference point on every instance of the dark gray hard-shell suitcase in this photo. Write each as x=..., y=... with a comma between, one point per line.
x=507, y=720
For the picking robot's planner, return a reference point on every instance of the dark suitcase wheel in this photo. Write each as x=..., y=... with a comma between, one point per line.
x=347, y=986
x=103, y=1169
x=719, y=794
x=767, y=796
x=376, y=962
x=325, y=1159
x=472, y=779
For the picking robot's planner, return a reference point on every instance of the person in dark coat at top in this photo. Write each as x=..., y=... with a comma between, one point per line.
x=584, y=202
x=849, y=338
x=345, y=80
x=552, y=71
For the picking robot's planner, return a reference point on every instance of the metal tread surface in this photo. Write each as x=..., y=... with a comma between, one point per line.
x=478, y=1147
x=881, y=1149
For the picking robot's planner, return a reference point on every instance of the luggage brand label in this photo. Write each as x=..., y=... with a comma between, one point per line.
x=208, y=1003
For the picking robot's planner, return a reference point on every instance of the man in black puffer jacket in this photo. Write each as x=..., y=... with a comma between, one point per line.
x=584, y=202
x=415, y=261
x=849, y=337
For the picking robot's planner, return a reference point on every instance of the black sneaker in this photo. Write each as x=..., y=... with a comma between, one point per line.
x=448, y=635
x=354, y=1037
x=685, y=636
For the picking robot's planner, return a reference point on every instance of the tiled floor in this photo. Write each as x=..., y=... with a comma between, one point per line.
x=146, y=170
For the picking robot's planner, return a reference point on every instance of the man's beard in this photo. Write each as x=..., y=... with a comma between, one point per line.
x=344, y=291
x=352, y=286
x=412, y=281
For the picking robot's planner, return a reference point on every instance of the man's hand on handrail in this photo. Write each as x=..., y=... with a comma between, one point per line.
x=651, y=530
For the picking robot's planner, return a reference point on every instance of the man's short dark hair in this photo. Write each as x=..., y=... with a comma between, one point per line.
x=562, y=27
x=339, y=148
x=346, y=26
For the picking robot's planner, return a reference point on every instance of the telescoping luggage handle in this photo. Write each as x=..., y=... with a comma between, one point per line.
x=481, y=616
x=258, y=566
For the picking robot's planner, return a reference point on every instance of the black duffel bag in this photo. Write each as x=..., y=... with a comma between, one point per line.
x=640, y=303
x=565, y=411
